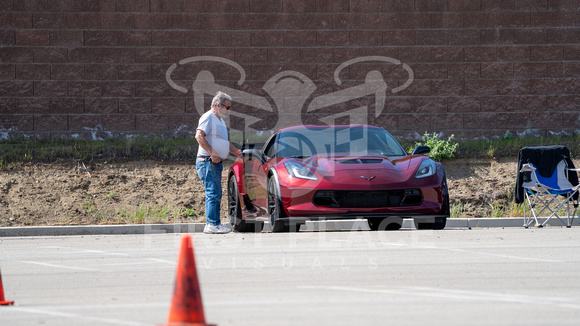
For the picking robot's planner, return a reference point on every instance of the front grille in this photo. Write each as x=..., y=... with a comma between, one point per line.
x=367, y=199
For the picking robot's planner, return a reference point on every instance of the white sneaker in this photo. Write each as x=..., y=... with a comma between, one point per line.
x=216, y=229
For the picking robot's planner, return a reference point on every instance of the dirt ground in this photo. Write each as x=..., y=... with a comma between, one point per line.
x=167, y=192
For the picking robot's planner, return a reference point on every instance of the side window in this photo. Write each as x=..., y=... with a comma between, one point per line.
x=269, y=147
x=289, y=146
x=294, y=145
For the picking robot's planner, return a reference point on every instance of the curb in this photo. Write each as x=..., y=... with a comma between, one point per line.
x=32, y=231
x=342, y=225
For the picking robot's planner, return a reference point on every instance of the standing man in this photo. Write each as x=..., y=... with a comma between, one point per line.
x=214, y=146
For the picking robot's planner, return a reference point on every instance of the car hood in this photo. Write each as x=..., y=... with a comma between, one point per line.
x=360, y=169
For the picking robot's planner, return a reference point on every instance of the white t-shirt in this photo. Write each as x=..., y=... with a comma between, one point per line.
x=216, y=134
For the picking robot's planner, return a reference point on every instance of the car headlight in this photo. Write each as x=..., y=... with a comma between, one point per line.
x=300, y=171
x=426, y=169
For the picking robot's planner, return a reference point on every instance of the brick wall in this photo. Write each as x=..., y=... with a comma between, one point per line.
x=475, y=67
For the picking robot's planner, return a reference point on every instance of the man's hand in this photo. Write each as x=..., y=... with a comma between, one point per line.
x=215, y=158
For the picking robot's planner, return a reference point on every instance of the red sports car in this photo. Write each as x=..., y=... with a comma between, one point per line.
x=335, y=172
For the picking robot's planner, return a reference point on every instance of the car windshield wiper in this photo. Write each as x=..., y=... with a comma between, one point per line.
x=299, y=156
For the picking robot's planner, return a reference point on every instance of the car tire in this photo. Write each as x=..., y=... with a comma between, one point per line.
x=385, y=223
x=235, y=210
x=275, y=208
x=440, y=222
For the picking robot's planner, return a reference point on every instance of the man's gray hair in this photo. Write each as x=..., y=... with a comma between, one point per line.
x=220, y=98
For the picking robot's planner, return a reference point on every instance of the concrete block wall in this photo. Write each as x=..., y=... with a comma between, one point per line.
x=481, y=68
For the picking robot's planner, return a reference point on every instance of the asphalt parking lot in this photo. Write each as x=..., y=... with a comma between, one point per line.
x=457, y=276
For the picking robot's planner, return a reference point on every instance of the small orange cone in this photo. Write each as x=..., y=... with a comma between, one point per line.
x=186, y=306
x=3, y=302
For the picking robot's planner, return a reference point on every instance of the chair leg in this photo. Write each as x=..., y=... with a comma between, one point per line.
x=528, y=217
x=556, y=210
x=535, y=199
x=562, y=205
x=525, y=216
x=576, y=215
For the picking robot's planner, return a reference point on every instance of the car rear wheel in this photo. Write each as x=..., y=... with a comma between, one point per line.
x=275, y=209
x=385, y=223
x=235, y=210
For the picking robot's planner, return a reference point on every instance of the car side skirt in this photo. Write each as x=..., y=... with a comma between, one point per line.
x=352, y=216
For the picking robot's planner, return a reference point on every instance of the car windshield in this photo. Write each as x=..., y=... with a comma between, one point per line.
x=332, y=140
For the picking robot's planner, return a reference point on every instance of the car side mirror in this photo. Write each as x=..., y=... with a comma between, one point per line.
x=252, y=153
x=421, y=149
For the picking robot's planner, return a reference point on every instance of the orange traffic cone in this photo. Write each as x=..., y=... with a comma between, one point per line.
x=186, y=306
x=3, y=302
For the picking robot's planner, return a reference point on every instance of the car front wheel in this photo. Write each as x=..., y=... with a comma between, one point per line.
x=275, y=209
x=439, y=222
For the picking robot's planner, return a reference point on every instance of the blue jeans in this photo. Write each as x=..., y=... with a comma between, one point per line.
x=211, y=175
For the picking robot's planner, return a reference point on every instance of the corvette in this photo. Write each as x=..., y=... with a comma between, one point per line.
x=335, y=172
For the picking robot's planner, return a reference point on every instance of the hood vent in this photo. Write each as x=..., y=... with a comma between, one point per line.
x=360, y=161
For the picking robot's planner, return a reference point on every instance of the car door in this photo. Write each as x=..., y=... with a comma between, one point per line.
x=256, y=173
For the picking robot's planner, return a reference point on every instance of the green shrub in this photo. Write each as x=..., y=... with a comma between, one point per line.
x=110, y=150
x=440, y=148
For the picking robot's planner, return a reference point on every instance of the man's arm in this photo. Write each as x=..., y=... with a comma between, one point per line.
x=200, y=137
x=234, y=150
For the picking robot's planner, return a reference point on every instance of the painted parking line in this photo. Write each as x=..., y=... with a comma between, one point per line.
x=59, y=266
x=119, y=254
x=475, y=252
x=76, y=316
x=565, y=303
x=117, y=306
x=495, y=255
x=144, y=260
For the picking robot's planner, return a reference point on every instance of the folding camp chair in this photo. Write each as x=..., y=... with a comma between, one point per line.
x=552, y=194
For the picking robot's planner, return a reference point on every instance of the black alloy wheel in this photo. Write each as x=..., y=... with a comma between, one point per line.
x=275, y=210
